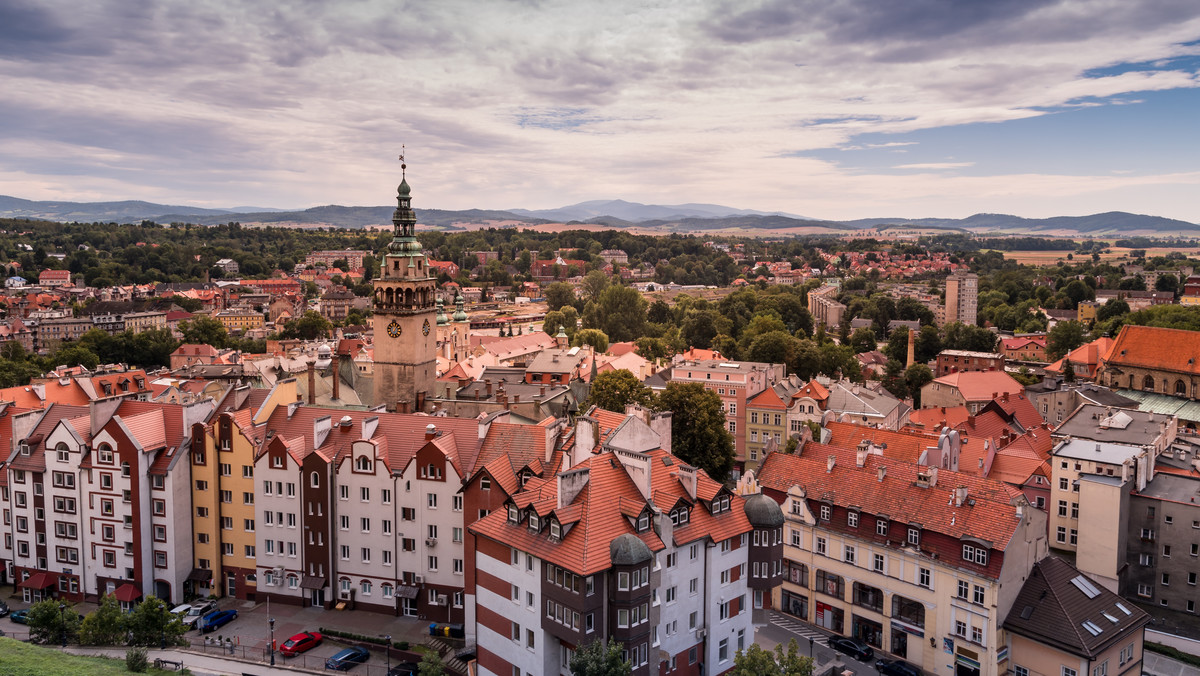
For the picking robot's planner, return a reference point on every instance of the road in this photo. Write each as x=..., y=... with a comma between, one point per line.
x=783, y=628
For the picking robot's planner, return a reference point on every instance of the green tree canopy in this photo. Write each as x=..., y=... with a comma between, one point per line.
x=619, y=311
x=105, y=625
x=152, y=622
x=310, y=326
x=614, y=390
x=559, y=294
x=698, y=432
x=48, y=623
x=755, y=661
x=863, y=340
x=593, y=337
x=600, y=659
x=1064, y=337
x=204, y=330
x=915, y=377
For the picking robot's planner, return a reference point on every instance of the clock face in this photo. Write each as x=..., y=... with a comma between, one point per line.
x=425, y=328
x=394, y=329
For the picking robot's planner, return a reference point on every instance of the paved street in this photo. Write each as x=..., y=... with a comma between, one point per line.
x=781, y=628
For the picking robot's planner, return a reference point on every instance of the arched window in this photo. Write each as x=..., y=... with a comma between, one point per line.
x=1180, y=388
x=1148, y=383
x=386, y=590
x=363, y=464
x=293, y=581
x=366, y=587
x=315, y=480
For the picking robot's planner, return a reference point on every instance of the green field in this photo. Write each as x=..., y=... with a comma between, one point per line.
x=23, y=659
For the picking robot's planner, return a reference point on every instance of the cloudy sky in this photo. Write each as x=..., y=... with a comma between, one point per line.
x=824, y=108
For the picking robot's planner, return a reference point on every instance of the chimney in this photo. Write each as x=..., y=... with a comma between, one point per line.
x=687, y=477
x=1004, y=397
x=430, y=432
x=312, y=383
x=933, y=472
x=543, y=390
x=487, y=383
x=960, y=496
x=830, y=462
x=402, y=406
x=912, y=348
x=337, y=378
x=882, y=472
x=860, y=458
x=420, y=402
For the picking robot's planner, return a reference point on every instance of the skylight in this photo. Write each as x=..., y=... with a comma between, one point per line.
x=1123, y=608
x=1110, y=618
x=1093, y=629
x=1085, y=585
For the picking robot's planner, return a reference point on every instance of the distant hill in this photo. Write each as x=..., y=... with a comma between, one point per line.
x=617, y=214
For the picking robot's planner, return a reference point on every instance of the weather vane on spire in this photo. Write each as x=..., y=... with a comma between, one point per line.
x=403, y=166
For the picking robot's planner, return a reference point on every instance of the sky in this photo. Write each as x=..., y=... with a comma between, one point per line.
x=832, y=109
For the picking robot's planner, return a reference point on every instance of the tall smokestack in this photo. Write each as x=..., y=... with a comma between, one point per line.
x=912, y=348
x=312, y=383
x=337, y=367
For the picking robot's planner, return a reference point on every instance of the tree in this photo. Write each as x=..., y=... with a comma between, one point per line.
x=652, y=348
x=204, y=331
x=310, y=326
x=105, y=625
x=698, y=433
x=594, y=283
x=773, y=347
x=75, y=355
x=968, y=337
x=593, y=337
x=1064, y=337
x=600, y=659
x=48, y=623
x=915, y=377
x=619, y=311
x=559, y=294
x=1068, y=371
x=152, y=622
x=699, y=328
x=1115, y=307
x=614, y=390
x=758, y=662
x=431, y=665
x=863, y=340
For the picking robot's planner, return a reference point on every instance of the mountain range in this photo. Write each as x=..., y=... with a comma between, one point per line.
x=619, y=214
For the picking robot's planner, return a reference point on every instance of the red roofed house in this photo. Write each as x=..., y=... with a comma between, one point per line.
x=52, y=279
x=915, y=560
x=1154, y=360
x=1025, y=348
x=1085, y=359
x=623, y=544
x=973, y=389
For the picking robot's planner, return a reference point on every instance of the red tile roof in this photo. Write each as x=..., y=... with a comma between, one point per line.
x=902, y=445
x=991, y=517
x=981, y=385
x=1156, y=348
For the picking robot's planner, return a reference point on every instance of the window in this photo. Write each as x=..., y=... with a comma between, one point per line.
x=881, y=527
x=914, y=536
x=978, y=595
x=975, y=554
x=924, y=577
x=1062, y=508
x=960, y=628
x=848, y=554
x=877, y=565
x=826, y=512
x=723, y=650
x=314, y=480
x=364, y=494
x=964, y=589
x=343, y=492
x=1068, y=671
x=852, y=519
x=431, y=500
x=821, y=546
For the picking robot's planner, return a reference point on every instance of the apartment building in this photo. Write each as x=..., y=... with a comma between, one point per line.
x=962, y=297
x=736, y=383
x=824, y=307
x=625, y=543
x=920, y=562
x=1162, y=546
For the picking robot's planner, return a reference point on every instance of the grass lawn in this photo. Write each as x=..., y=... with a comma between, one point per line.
x=23, y=659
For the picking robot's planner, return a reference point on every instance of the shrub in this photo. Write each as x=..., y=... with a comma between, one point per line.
x=136, y=660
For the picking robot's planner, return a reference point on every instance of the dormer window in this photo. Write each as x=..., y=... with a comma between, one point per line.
x=852, y=519
x=975, y=554
x=363, y=464
x=881, y=527
x=514, y=514
x=555, y=530
x=643, y=523
x=679, y=516
x=534, y=522
x=914, y=536
x=826, y=512
x=24, y=449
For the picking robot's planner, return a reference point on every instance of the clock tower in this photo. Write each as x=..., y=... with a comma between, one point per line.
x=404, y=315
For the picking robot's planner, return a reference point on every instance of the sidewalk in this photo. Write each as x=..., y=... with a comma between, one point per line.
x=1161, y=665
x=200, y=665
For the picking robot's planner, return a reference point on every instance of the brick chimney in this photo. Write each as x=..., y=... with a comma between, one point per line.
x=337, y=378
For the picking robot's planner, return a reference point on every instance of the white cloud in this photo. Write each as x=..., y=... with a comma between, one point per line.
x=935, y=165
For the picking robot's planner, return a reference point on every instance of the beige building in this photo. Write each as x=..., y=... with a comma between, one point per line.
x=240, y=320
x=962, y=297
x=824, y=307
x=873, y=550
x=138, y=322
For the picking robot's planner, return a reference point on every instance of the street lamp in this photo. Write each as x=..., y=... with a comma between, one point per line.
x=272, y=621
x=62, y=621
x=810, y=647
x=387, y=650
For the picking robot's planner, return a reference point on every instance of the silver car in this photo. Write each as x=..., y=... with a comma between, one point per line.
x=197, y=611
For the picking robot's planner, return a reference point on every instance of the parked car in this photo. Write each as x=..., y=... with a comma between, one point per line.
x=181, y=610
x=20, y=616
x=404, y=669
x=853, y=647
x=344, y=660
x=300, y=643
x=217, y=619
x=3, y=608
x=896, y=668
x=197, y=611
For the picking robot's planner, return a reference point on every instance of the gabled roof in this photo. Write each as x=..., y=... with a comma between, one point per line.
x=989, y=514
x=906, y=446
x=1151, y=347
x=981, y=385
x=1062, y=608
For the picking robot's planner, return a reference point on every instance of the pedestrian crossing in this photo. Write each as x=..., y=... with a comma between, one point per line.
x=795, y=626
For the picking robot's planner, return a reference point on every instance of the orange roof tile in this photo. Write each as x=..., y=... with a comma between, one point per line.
x=1156, y=348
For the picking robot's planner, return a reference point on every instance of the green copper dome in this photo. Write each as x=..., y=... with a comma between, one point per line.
x=442, y=319
x=460, y=315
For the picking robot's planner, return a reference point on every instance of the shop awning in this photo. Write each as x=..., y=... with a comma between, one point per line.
x=39, y=581
x=406, y=592
x=127, y=593
x=312, y=582
x=200, y=575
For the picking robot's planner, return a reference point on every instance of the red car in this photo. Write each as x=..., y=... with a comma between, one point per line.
x=300, y=643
